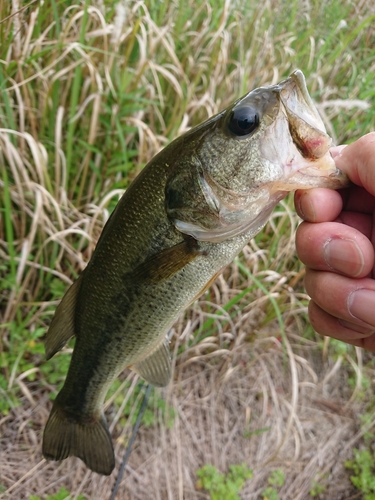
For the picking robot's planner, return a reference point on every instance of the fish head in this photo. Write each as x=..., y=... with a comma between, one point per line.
x=233, y=169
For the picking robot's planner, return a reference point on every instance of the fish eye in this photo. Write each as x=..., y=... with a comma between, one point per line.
x=243, y=121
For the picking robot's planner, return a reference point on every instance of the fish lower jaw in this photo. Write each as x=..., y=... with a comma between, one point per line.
x=310, y=178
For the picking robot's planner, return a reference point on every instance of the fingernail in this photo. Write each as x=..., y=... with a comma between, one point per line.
x=344, y=256
x=308, y=213
x=361, y=305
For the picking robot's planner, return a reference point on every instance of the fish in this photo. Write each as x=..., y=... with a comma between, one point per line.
x=185, y=217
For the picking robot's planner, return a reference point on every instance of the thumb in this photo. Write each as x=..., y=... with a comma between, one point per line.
x=358, y=161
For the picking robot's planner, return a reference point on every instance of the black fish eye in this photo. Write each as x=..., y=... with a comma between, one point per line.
x=243, y=121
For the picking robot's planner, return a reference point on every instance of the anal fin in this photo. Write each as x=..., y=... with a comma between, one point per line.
x=156, y=368
x=62, y=324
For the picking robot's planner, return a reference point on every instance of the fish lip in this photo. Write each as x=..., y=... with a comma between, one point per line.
x=325, y=173
x=310, y=177
x=297, y=80
x=305, y=124
x=314, y=142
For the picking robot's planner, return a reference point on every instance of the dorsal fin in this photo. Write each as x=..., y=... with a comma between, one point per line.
x=62, y=324
x=156, y=368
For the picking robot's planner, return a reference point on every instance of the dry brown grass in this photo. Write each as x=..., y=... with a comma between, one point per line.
x=259, y=367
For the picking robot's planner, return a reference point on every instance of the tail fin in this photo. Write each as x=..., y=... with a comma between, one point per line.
x=89, y=440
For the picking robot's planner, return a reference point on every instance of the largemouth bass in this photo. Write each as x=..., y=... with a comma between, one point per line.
x=183, y=219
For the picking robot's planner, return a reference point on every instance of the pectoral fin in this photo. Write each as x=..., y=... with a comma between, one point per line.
x=62, y=325
x=156, y=368
x=166, y=263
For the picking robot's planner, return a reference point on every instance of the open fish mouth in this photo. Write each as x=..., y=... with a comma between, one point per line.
x=301, y=102
x=310, y=138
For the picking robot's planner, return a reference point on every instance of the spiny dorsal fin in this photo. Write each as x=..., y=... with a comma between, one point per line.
x=156, y=368
x=88, y=440
x=62, y=324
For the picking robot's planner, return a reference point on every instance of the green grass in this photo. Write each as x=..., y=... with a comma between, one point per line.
x=90, y=92
x=361, y=465
x=362, y=469
x=222, y=486
x=63, y=494
x=275, y=482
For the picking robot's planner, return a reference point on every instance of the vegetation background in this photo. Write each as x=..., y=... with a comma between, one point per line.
x=260, y=406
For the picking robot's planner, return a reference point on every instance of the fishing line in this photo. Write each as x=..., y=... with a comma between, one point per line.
x=131, y=441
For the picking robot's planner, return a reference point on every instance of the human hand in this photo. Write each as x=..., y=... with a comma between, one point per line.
x=337, y=245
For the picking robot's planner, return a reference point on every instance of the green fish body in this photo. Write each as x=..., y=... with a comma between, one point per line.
x=184, y=218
